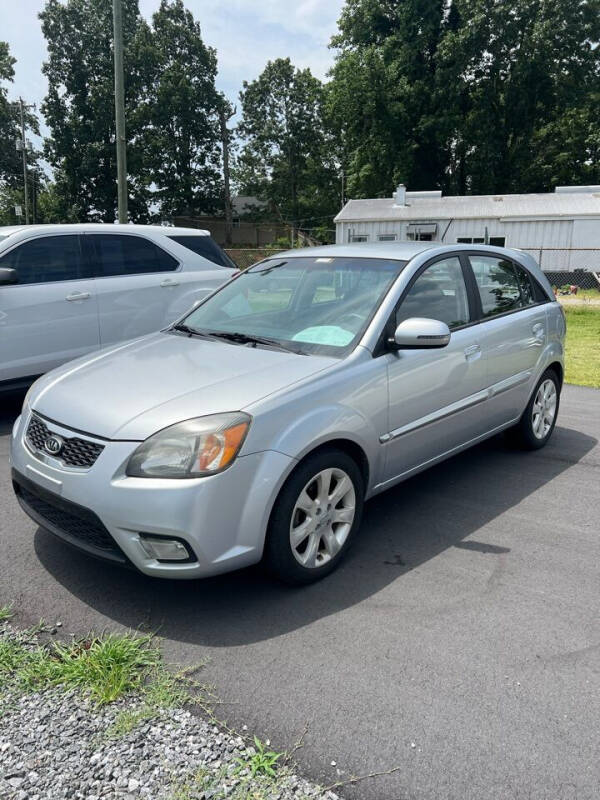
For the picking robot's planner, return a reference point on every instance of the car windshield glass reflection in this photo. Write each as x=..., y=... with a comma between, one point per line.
x=311, y=305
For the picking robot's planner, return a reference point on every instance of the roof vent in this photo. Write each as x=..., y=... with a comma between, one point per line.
x=400, y=195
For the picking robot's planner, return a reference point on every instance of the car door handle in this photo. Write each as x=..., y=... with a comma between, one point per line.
x=77, y=296
x=168, y=282
x=472, y=352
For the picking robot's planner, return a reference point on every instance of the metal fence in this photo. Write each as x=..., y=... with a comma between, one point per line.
x=573, y=266
x=576, y=266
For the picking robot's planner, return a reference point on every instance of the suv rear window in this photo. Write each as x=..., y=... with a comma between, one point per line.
x=206, y=247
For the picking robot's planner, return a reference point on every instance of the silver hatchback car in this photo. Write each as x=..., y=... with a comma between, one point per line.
x=256, y=427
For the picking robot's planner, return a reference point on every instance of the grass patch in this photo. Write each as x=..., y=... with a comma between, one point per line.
x=104, y=668
x=6, y=613
x=582, y=349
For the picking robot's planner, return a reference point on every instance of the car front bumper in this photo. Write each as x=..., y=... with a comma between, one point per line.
x=222, y=518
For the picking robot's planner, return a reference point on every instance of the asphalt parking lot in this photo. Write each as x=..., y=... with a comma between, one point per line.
x=459, y=642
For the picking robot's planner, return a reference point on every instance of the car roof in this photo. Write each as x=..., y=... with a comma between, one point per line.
x=94, y=227
x=403, y=251
x=393, y=250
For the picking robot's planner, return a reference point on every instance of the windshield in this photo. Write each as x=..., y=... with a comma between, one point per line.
x=312, y=305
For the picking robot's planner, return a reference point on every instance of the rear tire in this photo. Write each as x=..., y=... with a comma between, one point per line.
x=315, y=517
x=539, y=418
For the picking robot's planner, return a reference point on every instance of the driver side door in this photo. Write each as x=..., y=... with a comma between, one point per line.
x=436, y=396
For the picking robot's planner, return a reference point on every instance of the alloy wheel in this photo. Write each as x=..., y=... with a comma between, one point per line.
x=544, y=409
x=322, y=517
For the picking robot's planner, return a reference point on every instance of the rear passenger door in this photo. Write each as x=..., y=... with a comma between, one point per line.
x=135, y=279
x=51, y=315
x=512, y=332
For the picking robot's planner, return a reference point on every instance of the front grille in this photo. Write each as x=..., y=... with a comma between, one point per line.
x=65, y=518
x=75, y=452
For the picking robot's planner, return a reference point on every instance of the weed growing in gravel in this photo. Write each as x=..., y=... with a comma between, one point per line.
x=222, y=785
x=167, y=690
x=259, y=762
x=5, y=613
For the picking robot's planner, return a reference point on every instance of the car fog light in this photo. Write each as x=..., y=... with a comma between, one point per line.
x=164, y=549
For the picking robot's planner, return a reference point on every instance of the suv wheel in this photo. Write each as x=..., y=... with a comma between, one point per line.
x=315, y=517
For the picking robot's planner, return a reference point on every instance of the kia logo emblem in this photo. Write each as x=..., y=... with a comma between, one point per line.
x=53, y=444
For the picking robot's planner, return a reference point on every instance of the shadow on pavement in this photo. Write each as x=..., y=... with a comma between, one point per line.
x=403, y=528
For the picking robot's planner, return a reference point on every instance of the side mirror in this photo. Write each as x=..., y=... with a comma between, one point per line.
x=8, y=276
x=420, y=333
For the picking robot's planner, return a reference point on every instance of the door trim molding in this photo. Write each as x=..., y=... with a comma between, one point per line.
x=460, y=405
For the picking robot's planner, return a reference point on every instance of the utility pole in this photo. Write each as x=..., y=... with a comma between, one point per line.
x=33, y=193
x=342, y=194
x=24, y=154
x=223, y=117
x=120, y=111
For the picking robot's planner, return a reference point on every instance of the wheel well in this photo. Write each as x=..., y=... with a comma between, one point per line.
x=352, y=449
x=557, y=367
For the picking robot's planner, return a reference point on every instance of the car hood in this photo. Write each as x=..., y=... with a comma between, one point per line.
x=133, y=390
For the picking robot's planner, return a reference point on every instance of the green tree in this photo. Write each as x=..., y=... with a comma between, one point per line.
x=470, y=96
x=382, y=97
x=527, y=73
x=79, y=106
x=9, y=132
x=286, y=153
x=11, y=165
x=179, y=119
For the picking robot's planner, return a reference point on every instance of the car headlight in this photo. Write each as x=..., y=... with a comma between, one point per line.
x=191, y=449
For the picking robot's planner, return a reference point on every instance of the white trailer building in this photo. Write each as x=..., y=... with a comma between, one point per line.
x=562, y=228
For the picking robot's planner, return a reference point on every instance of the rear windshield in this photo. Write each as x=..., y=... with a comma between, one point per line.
x=206, y=247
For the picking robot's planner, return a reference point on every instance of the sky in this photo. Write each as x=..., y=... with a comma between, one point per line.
x=246, y=35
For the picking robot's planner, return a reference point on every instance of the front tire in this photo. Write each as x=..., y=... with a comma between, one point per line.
x=539, y=418
x=315, y=517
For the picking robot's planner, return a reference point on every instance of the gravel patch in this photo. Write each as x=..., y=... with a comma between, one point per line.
x=56, y=745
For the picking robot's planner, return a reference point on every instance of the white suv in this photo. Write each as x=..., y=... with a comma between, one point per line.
x=66, y=290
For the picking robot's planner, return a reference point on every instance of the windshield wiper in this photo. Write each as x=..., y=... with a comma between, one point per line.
x=267, y=269
x=246, y=338
x=183, y=328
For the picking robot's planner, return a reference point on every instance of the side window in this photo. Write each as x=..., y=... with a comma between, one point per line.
x=502, y=286
x=46, y=259
x=525, y=285
x=206, y=247
x=118, y=254
x=438, y=293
